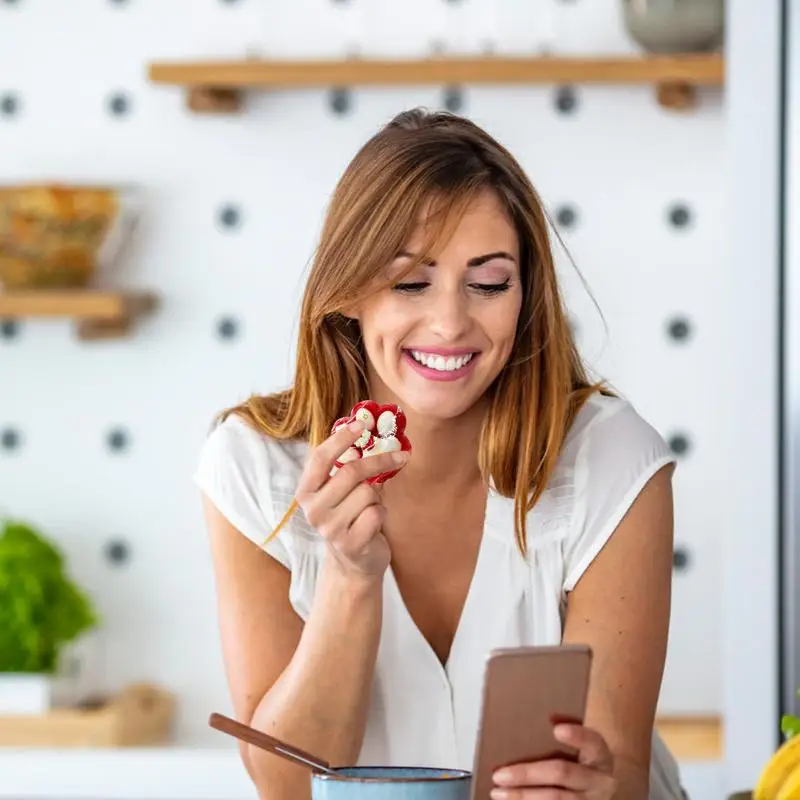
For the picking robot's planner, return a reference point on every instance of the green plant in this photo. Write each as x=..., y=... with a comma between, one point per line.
x=41, y=608
x=790, y=725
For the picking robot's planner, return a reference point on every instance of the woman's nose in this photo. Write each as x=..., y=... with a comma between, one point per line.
x=449, y=315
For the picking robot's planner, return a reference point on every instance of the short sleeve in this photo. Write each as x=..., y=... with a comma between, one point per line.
x=615, y=457
x=234, y=471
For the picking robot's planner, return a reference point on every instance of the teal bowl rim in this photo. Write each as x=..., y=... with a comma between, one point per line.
x=454, y=775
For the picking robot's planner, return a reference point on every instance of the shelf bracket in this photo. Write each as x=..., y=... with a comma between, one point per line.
x=96, y=314
x=90, y=330
x=676, y=96
x=213, y=100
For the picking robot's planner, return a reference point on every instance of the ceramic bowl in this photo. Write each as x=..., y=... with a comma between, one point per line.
x=391, y=783
x=675, y=26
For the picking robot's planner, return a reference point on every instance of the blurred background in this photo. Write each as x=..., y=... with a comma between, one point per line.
x=162, y=186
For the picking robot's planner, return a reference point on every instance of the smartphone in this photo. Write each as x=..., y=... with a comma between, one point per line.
x=526, y=691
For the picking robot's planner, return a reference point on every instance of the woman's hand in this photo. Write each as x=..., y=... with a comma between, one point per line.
x=591, y=777
x=344, y=509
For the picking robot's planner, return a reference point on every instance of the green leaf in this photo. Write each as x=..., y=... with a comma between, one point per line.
x=790, y=725
x=41, y=607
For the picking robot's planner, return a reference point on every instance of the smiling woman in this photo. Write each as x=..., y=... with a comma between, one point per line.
x=452, y=318
x=535, y=507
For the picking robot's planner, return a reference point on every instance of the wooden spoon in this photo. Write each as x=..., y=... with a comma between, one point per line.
x=266, y=742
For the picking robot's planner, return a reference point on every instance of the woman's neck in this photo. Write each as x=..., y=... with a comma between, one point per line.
x=444, y=453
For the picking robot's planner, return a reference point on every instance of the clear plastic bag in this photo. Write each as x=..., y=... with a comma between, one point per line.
x=59, y=236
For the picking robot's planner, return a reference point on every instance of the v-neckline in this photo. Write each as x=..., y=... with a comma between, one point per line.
x=469, y=600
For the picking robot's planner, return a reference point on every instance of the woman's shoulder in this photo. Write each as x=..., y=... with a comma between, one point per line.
x=609, y=430
x=251, y=478
x=612, y=452
x=235, y=444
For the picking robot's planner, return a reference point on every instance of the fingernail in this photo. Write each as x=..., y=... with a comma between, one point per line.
x=562, y=732
x=498, y=794
x=400, y=457
x=356, y=426
x=501, y=776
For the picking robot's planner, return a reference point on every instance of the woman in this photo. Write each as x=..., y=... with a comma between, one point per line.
x=361, y=633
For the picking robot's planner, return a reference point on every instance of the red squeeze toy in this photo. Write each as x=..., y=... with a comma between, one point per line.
x=384, y=432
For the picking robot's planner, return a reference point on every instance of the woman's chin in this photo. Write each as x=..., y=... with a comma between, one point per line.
x=428, y=409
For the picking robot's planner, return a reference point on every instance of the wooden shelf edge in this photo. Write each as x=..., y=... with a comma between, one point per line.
x=98, y=314
x=693, y=738
x=217, y=86
x=696, y=69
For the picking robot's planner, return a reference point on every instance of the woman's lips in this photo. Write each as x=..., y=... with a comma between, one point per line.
x=444, y=365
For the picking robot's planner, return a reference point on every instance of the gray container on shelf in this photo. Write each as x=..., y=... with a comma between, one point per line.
x=676, y=26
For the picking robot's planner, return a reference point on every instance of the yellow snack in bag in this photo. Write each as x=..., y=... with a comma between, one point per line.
x=54, y=235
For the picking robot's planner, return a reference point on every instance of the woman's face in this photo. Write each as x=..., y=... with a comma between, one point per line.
x=436, y=340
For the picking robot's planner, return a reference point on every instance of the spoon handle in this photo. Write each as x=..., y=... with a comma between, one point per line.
x=267, y=742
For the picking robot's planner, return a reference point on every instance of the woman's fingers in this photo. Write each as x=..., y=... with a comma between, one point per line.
x=323, y=457
x=342, y=516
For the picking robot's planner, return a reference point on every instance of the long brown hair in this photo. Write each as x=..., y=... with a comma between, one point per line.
x=436, y=163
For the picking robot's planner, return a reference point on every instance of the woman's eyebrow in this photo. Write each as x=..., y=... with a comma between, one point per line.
x=477, y=261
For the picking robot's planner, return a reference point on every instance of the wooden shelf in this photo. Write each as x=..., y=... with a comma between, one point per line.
x=216, y=86
x=97, y=314
x=692, y=738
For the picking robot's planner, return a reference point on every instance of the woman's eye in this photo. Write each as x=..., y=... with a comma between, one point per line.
x=414, y=287
x=410, y=288
x=491, y=288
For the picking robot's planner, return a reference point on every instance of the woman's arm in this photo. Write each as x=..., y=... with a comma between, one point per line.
x=621, y=608
x=307, y=684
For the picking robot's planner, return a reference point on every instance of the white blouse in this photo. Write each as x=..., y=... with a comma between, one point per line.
x=423, y=713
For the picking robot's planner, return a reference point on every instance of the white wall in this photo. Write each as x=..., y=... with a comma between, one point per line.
x=750, y=654
x=618, y=159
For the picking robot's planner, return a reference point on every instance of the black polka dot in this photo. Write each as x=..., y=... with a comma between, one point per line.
x=230, y=216
x=679, y=444
x=680, y=559
x=119, y=105
x=227, y=328
x=679, y=329
x=9, y=329
x=12, y=2
x=117, y=440
x=117, y=552
x=340, y=101
x=454, y=100
x=566, y=216
x=566, y=101
x=679, y=216
x=9, y=105
x=10, y=439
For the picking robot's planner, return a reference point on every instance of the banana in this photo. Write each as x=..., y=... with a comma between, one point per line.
x=791, y=786
x=783, y=765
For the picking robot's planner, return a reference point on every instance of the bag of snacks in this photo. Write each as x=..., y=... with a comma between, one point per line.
x=57, y=236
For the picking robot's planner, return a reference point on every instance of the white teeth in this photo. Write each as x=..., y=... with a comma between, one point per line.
x=440, y=362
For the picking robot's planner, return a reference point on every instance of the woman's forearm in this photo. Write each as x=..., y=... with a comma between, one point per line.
x=321, y=700
x=633, y=779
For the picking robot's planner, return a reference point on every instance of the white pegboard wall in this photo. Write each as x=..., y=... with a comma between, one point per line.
x=232, y=208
